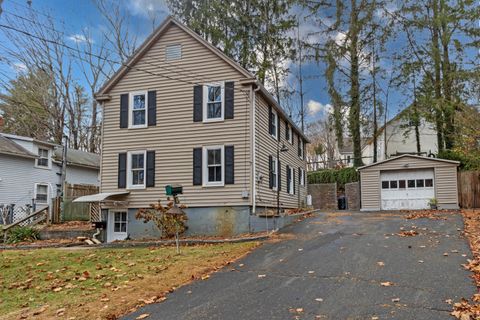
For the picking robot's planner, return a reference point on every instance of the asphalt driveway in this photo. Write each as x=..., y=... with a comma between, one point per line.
x=337, y=266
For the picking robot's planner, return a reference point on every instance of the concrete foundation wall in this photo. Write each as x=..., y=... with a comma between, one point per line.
x=211, y=221
x=352, y=193
x=324, y=196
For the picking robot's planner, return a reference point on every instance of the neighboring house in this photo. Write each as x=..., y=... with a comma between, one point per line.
x=346, y=152
x=181, y=112
x=409, y=182
x=30, y=170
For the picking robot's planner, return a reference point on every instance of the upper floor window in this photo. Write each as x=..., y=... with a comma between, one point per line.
x=43, y=159
x=213, y=105
x=214, y=165
x=274, y=124
x=136, y=170
x=301, y=148
x=138, y=109
x=302, y=176
x=288, y=133
x=173, y=52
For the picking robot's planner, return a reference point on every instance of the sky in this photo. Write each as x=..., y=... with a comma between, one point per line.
x=76, y=15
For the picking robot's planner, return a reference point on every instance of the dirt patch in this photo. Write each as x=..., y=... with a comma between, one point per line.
x=70, y=225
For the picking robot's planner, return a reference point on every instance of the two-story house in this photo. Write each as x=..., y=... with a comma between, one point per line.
x=31, y=170
x=180, y=112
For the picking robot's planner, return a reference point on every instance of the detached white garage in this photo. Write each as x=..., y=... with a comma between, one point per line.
x=409, y=182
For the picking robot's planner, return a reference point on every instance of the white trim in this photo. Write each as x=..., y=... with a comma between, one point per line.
x=130, y=109
x=205, y=100
x=411, y=156
x=302, y=177
x=49, y=158
x=291, y=187
x=129, y=170
x=275, y=160
x=302, y=148
x=47, y=201
x=290, y=134
x=274, y=133
x=205, y=181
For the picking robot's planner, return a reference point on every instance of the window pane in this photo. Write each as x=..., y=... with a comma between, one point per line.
x=214, y=110
x=42, y=162
x=137, y=177
x=214, y=94
x=428, y=183
x=393, y=184
x=137, y=161
x=116, y=227
x=139, y=102
x=385, y=185
x=214, y=156
x=401, y=184
x=138, y=117
x=124, y=227
x=218, y=173
x=420, y=183
x=411, y=183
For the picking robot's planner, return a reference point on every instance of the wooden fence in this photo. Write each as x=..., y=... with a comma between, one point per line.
x=72, y=210
x=469, y=189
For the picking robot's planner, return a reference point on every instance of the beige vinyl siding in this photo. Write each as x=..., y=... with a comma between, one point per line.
x=370, y=190
x=266, y=145
x=175, y=135
x=446, y=185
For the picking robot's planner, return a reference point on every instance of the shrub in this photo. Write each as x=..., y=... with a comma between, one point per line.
x=340, y=176
x=20, y=234
x=166, y=222
x=467, y=161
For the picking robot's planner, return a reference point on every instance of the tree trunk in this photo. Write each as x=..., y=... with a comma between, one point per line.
x=437, y=80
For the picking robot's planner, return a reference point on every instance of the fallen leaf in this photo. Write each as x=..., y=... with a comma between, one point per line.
x=319, y=299
x=381, y=263
x=396, y=300
x=262, y=275
x=386, y=284
x=143, y=316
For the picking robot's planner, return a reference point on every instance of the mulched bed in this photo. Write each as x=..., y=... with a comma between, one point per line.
x=70, y=225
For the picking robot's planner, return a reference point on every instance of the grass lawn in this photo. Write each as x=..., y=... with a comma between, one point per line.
x=101, y=283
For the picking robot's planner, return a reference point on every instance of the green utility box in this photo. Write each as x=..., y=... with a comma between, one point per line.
x=171, y=190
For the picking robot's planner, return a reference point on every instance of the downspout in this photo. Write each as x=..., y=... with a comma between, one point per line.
x=254, y=150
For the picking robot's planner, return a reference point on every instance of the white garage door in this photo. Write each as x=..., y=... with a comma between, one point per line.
x=407, y=189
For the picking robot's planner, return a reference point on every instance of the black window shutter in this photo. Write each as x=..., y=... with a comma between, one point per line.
x=229, y=165
x=287, y=135
x=270, y=173
x=299, y=150
x=229, y=99
x=293, y=179
x=150, y=169
x=278, y=127
x=279, y=180
x=152, y=108
x=270, y=118
x=289, y=178
x=124, y=110
x=299, y=175
x=197, y=166
x=198, y=103
x=122, y=170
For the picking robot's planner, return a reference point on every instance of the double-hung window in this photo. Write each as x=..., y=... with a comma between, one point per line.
x=274, y=173
x=274, y=124
x=302, y=177
x=300, y=141
x=214, y=102
x=43, y=158
x=41, y=193
x=136, y=169
x=289, y=134
x=290, y=181
x=213, y=166
x=138, y=109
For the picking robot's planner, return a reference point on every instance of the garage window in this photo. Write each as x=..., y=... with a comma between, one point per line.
x=385, y=185
x=420, y=183
x=428, y=183
x=393, y=184
x=401, y=184
x=411, y=183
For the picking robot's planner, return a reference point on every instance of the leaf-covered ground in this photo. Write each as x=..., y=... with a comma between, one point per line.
x=101, y=283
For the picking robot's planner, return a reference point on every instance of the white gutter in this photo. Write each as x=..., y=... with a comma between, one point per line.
x=254, y=152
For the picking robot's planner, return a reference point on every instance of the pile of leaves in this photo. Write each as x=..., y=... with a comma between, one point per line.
x=168, y=223
x=408, y=233
x=465, y=310
x=429, y=214
x=22, y=234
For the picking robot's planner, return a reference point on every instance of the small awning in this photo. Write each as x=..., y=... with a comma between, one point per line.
x=100, y=196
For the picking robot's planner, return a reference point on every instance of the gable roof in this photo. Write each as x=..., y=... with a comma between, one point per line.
x=10, y=147
x=102, y=94
x=410, y=156
x=78, y=158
